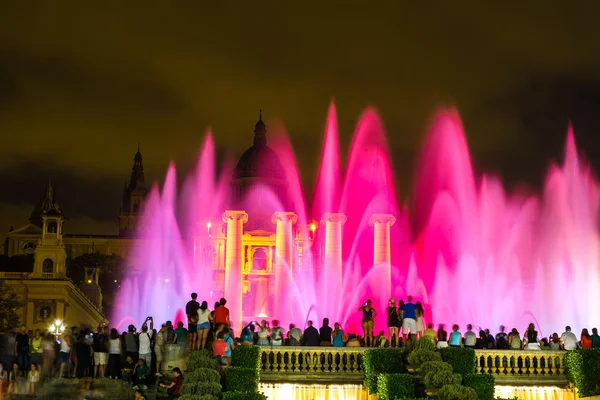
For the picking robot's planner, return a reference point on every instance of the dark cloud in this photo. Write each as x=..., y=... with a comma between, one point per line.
x=82, y=84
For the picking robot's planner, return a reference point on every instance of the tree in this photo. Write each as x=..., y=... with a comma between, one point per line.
x=9, y=305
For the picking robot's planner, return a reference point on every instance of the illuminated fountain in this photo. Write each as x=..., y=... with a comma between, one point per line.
x=472, y=253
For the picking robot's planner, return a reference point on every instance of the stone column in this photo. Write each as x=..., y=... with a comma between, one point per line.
x=234, y=264
x=333, y=249
x=381, y=224
x=284, y=241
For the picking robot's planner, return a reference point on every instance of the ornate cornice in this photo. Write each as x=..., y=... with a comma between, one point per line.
x=334, y=217
x=382, y=219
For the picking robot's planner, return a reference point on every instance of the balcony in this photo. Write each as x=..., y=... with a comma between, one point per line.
x=331, y=364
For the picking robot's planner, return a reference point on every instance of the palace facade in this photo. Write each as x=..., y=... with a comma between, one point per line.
x=43, y=238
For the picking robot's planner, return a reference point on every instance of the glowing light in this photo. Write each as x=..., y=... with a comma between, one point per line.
x=57, y=327
x=467, y=228
x=166, y=280
x=115, y=281
x=89, y=281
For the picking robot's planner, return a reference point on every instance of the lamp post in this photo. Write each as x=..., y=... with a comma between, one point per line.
x=57, y=328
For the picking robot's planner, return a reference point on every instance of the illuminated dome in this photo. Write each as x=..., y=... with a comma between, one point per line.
x=259, y=161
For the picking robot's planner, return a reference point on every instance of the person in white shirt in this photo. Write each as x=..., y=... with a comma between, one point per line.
x=470, y=337
x=145, y=339
x=568, y=339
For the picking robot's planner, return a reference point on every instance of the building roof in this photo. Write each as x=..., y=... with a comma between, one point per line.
x=259, y=161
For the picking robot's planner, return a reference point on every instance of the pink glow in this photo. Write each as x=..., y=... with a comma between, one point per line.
x=475, y=253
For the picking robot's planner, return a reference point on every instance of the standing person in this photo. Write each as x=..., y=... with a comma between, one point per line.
x=174, y=387
x=531, y=338
x=276, y=334
x=22, y=350
x=419, y=312
x=145, y=341
x=502, y=339
x=131, y=343
x=442, y=338
x=222, y=314
x=48, y=354
x=339, y=339
x=180, y=335
x=115, y=349
x=191, y=310
x=36, y=348
x=159, y=342
x=204, y=319
x=393, y=323
x=310, y=336
x=325, y=333
x=64, y=356
x=595, y=338
x=409, y=322
x=470, y=338
x=84, y=355
x=294, y=336
x=100, y=347
x=368, y=318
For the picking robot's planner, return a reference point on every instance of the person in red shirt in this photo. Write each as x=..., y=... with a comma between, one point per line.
x=220, y=349
x=586, y=339
x=174, y=387
x=221, y=315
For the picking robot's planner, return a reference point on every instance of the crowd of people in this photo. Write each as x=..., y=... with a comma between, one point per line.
x=27, y=357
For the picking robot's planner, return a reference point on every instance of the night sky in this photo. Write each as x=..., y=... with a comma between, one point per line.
x=82, y=83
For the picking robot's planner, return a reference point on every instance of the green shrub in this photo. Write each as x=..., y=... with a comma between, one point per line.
x=419, y=356
x=425, y=343
x=391, y=386
x=437, y=379
x=434, y=366
x=197, y=397
x=244, y=396
x=200, y=354
x=188, y=388
x=380, y=361
x=201, y=362
x=456, y=392
x=203, y=375
x=411, y=398
x=239, y=379
x=210, y=388
x=582, y=367
x=483, y=384
x=462, y=359
x=246, y=357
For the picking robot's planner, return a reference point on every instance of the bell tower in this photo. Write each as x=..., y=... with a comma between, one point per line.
x=50, y=256
x=133, y=197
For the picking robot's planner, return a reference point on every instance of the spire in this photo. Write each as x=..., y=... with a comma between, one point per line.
x=49, y=203
x=260, y=132
x=137, y=180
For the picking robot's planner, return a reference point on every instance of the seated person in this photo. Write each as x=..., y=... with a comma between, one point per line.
x=220, y=348
x=127, y=370
x=141, y=375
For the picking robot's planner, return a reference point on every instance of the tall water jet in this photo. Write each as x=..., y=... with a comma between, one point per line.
x=234, y=263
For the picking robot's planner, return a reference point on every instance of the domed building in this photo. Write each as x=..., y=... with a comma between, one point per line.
x=258, y=182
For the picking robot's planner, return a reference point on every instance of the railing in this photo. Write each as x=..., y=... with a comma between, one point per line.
x=315, y=364
x=47, y=275
x=522, y=367
x=13, y=275
x=335, y=364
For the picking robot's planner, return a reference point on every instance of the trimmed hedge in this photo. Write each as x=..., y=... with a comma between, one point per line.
x=582, y=367
x=381, y=361
x=419, y=356
x=456, y=392
x=204, y=375
x=483, y=384
x=239, y=379
x=246, y=357
x=201, y=388
x=434, y=366
x=438, y=379
x=197, y=397
x=462, y=359
x=201, y=362
x=392, y=386
x=244, y=396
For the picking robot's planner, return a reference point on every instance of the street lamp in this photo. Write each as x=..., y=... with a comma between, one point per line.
x=57, y=328
x=208, y=226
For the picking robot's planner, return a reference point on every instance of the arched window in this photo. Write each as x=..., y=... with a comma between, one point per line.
x=259, y=260
x=48, y=266
x=30, y=246
x=51, y=227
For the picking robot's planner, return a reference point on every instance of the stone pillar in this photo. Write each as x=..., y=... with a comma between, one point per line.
x=381, y=224
x=333, y=248
x=284, y=253
x=234, y=264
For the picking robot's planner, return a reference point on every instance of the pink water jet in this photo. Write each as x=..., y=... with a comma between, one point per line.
x=474, y=252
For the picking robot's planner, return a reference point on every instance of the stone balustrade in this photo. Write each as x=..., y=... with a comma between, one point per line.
x=333, y=364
